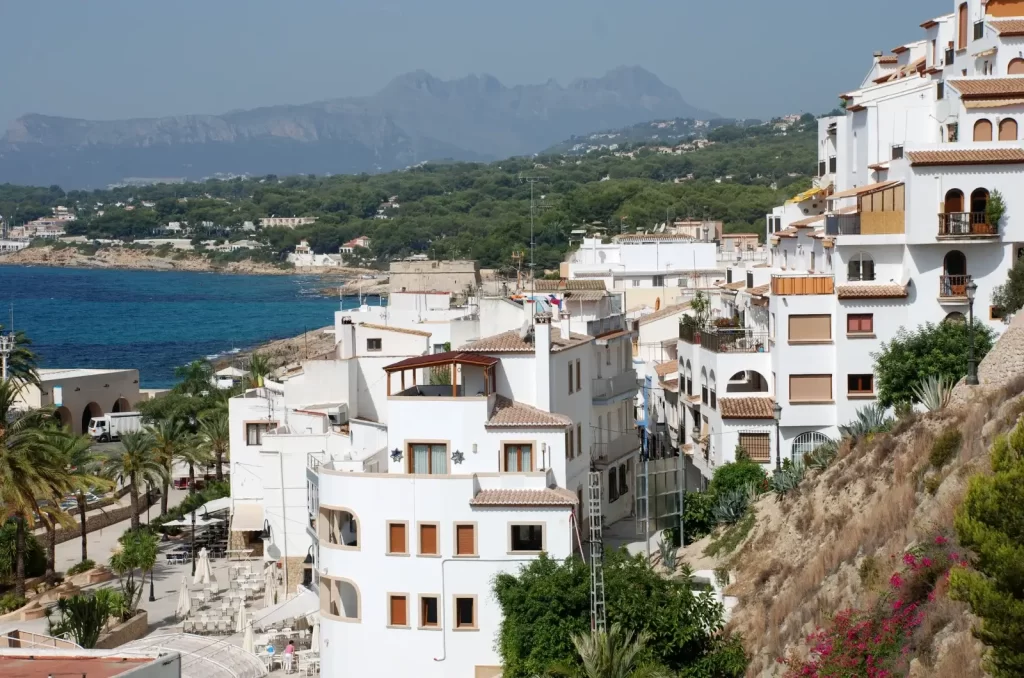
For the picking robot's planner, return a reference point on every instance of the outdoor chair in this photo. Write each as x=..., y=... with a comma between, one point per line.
x=222, y=626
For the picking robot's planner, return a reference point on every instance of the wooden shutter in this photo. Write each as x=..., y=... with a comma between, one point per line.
x=465, y=540
x=810, y=328
x=983, y=130
x=399, y=613
x=1008, y=129
x=396, y=538
x=757, y=446
x=428, y=540
x=810, y=388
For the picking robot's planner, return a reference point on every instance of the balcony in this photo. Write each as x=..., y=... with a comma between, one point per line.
x=614, y=450
x=725, y=340
x=606, y=388
x=842, y=224
x=793, y=285
x=953, y=287
x=973, y=225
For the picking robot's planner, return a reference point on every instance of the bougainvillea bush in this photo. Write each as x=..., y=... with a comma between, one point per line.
x=877, y=643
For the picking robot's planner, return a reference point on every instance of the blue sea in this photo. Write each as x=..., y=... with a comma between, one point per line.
x=154, y=321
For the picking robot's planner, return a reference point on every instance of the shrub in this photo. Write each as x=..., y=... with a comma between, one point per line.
x=787, y=479
x=78, y=568
x=934, y=391
x=10, y=602
x=932, y=483
x=732, y=506
x=945, y=447
x=35, y=557
x=698, y=515
x=869, y=571
x=870, y=419
x=736, y=475
x=820, y=457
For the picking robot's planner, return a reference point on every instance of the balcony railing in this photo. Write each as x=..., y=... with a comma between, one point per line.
x=953, y=286
x=314, y=460
x=965, y=224
x=614, y=450
x=609, y=387
x=842, y=224
x=725, y=340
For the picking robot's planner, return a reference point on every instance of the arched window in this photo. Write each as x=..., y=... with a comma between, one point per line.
x=954, y=201
x=962, y=26
x=861, y=267
x=954, y=263
x=954, y=275
x=688, y=376
x=1015, y=67
x=1007, y=129
x=704, y=385
x=808, y=442
x=748, y=381
x=713, y=386
x=983, y=130
x=979, y=201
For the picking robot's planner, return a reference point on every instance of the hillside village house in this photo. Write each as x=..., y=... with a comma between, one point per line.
x=286, y=222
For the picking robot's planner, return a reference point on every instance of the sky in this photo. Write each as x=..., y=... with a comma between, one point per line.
x=113, y=59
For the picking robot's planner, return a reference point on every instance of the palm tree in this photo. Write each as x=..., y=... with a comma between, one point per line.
x=259, y=368
x=83, y=466
x=193, y=455
x=215, y=438
x=168, y=438
x=610, y=654
x=195, y=377
x=136, y=465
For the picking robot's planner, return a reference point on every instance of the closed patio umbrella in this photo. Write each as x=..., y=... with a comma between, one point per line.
x=314, y=642
x=184, y=601
x=268, y=588
x=203, y=573
x=241, y=624
x=248, y=642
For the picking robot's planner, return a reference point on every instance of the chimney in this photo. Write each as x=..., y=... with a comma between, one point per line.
x=346, y=338
x=876, y=54
x=564, y=324
x=542, y=360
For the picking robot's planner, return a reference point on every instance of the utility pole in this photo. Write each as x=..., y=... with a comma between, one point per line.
x=6, y=348
x=533, y=244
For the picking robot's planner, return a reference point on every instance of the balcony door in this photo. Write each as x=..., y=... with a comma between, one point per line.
x=954, y=201
x=954, y=269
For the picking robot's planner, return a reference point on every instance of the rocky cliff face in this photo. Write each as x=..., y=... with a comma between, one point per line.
x=414, y=118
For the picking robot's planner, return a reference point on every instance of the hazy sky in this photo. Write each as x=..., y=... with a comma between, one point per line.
x=107, y=59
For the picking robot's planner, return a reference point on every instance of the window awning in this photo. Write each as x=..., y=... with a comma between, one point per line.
x=215, y=505
x=806, y=195
x=247, y=518
x=863, y=190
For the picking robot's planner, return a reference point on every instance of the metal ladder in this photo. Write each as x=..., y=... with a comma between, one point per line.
x=597, y=609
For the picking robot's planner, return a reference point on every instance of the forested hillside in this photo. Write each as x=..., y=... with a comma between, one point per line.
x=479, y=211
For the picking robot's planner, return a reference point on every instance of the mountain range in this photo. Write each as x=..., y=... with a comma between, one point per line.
x=415, y=118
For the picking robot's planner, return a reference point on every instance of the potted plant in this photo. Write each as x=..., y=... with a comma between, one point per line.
x=994, y=209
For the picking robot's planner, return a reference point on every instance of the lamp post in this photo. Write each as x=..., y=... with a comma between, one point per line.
x=972, y=363
x=149, y=501
x=777, y=413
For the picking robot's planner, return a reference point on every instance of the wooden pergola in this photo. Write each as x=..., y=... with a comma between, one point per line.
x=450, y=359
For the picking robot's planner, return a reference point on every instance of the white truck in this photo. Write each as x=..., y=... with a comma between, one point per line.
x=113, y=426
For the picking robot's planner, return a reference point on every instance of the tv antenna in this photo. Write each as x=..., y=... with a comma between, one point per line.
x=533, y=243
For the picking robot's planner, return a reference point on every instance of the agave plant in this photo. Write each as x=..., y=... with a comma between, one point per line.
x=669, y=555
x=821, y=456
x=870, y=419
x=934, y=392
x=732, y=506
x=787, y=479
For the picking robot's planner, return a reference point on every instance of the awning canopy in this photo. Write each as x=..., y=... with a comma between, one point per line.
x=806, y=195
x=304, y=604
x=438, y=359
x=216, y=505
x=247, y=518
x=187, y=522
x=863, y=190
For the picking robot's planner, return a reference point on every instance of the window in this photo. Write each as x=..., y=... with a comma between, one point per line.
x=428, y=459
x=465, y=613
x=569, y=446
x=810, y=388
x=465, y=539
x=613, y=485
x=579, y=375
x=428, y=612
x=397, y=544
x=526, y=538
x=758, y=446
x=983, y=130
x=953, y=132
x=518, y=458
x=860, y=384
x=571, y=382
x=1007, y=129
x=812, y=263
x=398, y=612
x=636, y=283
x=897, y=151
x=659, y=281
x=861, y=267
x=996, y=313
x=623, y=485
x=810, y=328
x=940, y=90
x=254, y=433
x=860, y=323
x=374, y=344
x=428, y=540
x=579, y=439
x=607, y=355
x=808, y=442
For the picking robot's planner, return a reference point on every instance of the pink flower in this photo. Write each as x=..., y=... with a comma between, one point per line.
x=941, y=541
x=895, y=581
x=927, y=562
x=909, y=559
x=897, y=604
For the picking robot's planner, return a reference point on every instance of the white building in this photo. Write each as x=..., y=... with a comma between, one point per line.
x=286, y=222
x=78, y=395
x=304, y=256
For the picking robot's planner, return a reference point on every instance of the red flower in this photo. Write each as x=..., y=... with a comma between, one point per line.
x=940, y=540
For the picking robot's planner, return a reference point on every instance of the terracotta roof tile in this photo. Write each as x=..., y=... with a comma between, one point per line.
x=888, y=59
x=666, y=368
x=734, y=286
x=552, y=496
x=746, y=408
x=1008, y=27
x=509, y=413
x=388, y=328
x=786, y=233
x=992, y=156
x=510, y=342
x=807, y=221
x=676, y=309
x=759, y=291
x=988, y=87
x=862, y=190
x=900, y=50
x=868, y=291
x=563, y=285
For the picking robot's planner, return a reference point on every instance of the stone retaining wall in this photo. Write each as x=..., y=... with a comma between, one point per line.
x=133, y=629
x=98, y=522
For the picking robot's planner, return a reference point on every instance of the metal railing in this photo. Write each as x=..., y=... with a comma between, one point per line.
x=607, y=387
x=725, y=340
x=613, y=450
x=953, y=286
x=842, y=224
x=965, y=223
x=313, y=460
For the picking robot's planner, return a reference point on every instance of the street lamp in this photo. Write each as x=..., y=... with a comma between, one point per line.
x=777, y=413
x=972, y=363
x=149, y=500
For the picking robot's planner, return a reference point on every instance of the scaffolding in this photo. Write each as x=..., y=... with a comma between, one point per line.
x=597, y=610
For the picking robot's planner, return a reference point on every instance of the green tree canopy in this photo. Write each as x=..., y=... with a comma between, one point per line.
x=1010, y=295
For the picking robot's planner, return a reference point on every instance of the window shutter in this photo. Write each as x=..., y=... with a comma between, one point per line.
x=757, y=446
x=810, y=387
x=428, y=540
x=464, y=540
x=396, y=538
x=398, y=611
x=868, y=269
x=810, y=328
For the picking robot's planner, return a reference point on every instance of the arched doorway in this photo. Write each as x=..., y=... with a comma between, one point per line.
x=62, y=416
x=983, y=130
x=979, y=205
x=121, y=405
x=1007, y=129
x=954, y=274
x=1015, y=67
x=953, y=219
x=91, y=410
x=954, y=200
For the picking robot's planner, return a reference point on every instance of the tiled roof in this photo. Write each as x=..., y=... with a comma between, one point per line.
x=508, y=412
x=900, y=50
x=988, y=87
x=563, y=284
x=888, y=59
x=862, y=190
x=675, y=309
x=734, y=286
x=668, y=367
x=552, y=496
x=387, y=328
x=1008, y=27
x=759, y=291
x=991, y=156
x=670, y=385
x=787, y=233
x=868, y=291
x=807, y=221
x=746, y=408
x=510, y=342
x=1002, y=102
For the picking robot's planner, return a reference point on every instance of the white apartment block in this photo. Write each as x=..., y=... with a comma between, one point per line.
x=894, y=233
x=286, y=222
